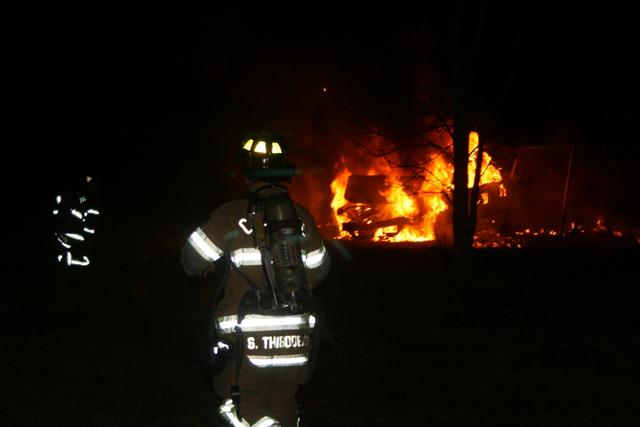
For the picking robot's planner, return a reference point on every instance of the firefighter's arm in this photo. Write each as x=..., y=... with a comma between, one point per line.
x=193, y=263
x=316, y=259
x=202, y=248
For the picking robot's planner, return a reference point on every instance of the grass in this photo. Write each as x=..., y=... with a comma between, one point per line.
x=506, y=338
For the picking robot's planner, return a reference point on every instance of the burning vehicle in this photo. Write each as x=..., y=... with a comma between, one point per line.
x=365, y=208
x=369, y=215
x=381, y=202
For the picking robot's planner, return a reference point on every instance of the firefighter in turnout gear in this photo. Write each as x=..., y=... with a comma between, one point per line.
x=266, y=325
x=75, y=214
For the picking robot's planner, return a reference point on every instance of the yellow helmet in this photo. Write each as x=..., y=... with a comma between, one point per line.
x=262, y=157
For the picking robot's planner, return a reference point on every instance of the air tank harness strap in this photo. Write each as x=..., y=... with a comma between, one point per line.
x=253, y=285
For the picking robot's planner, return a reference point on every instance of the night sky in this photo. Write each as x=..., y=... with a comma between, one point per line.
x=155, y=99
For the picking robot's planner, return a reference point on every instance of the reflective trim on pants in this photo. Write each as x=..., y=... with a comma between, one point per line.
x=228, y=412
x=278, y=361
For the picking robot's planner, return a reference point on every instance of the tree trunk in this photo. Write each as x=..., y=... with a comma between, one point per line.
x=466, y=30
x=475, y=191
x=462, y=237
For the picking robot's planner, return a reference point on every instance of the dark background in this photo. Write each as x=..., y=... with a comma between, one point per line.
x=154, y=101
x=155, y=98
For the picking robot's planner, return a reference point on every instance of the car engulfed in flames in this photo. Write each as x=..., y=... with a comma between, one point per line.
x=373, y=200
x=365, y=209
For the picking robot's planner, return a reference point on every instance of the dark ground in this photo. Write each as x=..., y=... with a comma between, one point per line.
x=531, y=337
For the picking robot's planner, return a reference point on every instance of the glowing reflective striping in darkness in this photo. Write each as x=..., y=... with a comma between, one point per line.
x=246, y=256
x=278, y=361
x=315, y=258
x=205, y=247
x=258, y=322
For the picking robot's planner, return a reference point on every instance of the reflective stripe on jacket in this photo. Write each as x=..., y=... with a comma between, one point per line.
x=228, y=232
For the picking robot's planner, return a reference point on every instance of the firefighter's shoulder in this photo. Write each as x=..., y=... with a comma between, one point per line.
x=223, y=221
x=227, y=211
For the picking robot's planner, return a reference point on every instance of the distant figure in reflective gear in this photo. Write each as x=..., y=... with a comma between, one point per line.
x=274, y=358
x=75, y=215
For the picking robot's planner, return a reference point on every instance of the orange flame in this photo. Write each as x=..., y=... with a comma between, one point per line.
x=412, y=203
x=338, y=189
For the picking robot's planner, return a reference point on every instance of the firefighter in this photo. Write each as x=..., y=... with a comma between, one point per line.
x=264, y=357
x=75, y=216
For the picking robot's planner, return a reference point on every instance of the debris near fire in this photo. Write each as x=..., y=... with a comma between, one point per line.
x=545, y=199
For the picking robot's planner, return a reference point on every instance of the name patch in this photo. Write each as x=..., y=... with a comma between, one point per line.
x=277, y=342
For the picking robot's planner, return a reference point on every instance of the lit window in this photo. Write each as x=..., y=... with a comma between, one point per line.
x=275, y=148
x=247, y=145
